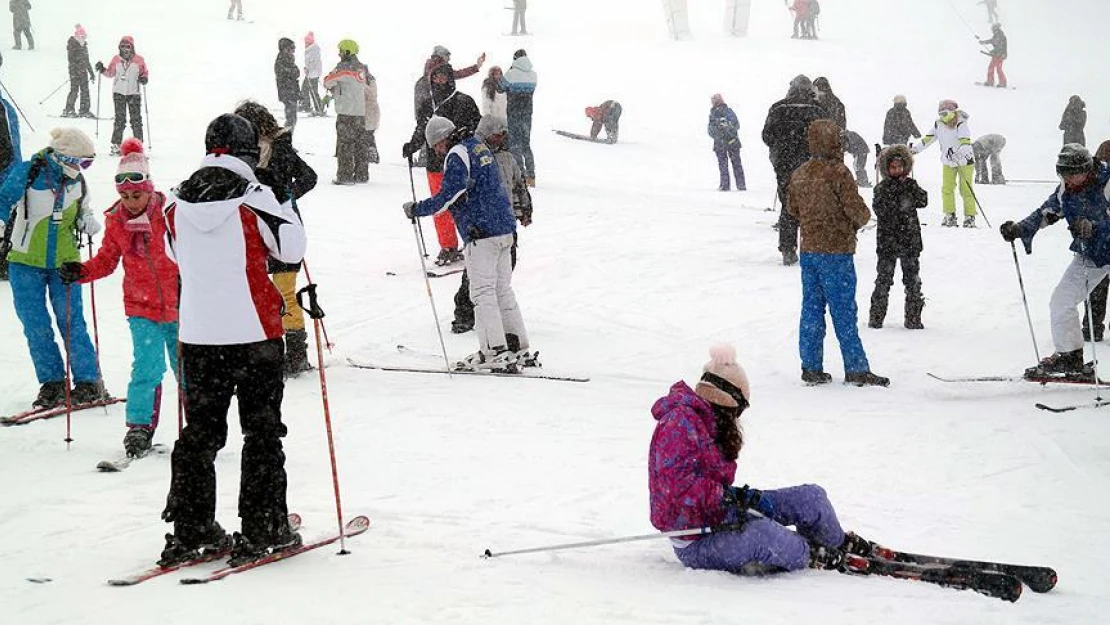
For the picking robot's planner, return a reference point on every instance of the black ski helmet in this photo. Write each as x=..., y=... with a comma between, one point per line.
x=1073, y=159
x=233, y=135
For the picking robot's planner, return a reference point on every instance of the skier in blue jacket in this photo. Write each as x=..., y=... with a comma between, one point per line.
x=723, y=127
x=473, y=193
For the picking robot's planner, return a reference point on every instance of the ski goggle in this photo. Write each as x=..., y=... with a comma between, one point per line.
x=947, y=116
x=137, y=177
x=82, y=162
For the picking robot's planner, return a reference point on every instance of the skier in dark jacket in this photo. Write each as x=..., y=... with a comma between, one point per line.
x=1074, y=121
x=858, y=148
x=896, y=201
x=723, y=127
x=899, y=126
x=80, y=74
x=283, y=170
x=998, y=53
x=21, y=22
x=288, y=75
x=832, y=104
x=785, y=133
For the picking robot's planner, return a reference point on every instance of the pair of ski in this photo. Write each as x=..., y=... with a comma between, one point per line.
x=993, y=579
x=353, y=527
x=37, y=414
x=534, y=373
x=1078, y=379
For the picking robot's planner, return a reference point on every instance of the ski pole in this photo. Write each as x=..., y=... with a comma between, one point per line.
x=1025, y=303
x=51, y=94
x=1091, y=331
x=17, y=107
x=427, y=282
x=976, y=198
x=701, y=531
x=960, y=15
x=149, y=134
x=92, y=300
x=324, y=328
x=317, y=314
x=98, y=106
x=412, y=185
x=69, y=333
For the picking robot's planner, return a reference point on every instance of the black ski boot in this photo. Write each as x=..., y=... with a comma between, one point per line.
x=461, y=327
x=813, y=378
x=244, y=550
x=857, y=545
x=137, y=441
x=866, y=378
x=826, y=558
x=190, y=545
x=1058, y=364
x=296, y=353
x=88, y=392
x=878, y=314
x=789, y=257
x=913, y=315
x=51, y=394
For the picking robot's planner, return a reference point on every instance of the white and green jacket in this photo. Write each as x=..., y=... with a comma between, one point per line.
x=955, y=141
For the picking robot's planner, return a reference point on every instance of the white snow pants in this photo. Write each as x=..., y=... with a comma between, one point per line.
x=489, y=266
x=1079, y=279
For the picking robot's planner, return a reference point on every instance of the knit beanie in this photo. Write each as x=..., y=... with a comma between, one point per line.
x=134, y=161
x=519, y=53
x=438, y=129
x=1074, y=159
x=309, y=39
x=716, y=99
x=722, y=364
x=490, y=125
x=899, y=99
x=72, y=142
x=79, y=33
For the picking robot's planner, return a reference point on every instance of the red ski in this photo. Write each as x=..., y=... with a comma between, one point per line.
x=354, y=527
x=36, y=414
x=158, y=571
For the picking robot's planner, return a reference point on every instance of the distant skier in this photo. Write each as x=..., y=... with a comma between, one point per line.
x=824, y=200
x=1080, y=200
x=313, y=71
x=236, y=5
x=896, y=202
x=899, y=126
x=347, y=84
x=858, y=148
x=10, y=156
x=130, y=73
x=832, y=104
x=803, y=24
x=80, y=74
x=520, y=87
x=1074, y=121
x=606, y=115
x=723, y=128
x=519, y=26
x=494, y=100
x=21, y=23
x=287, y=78
x=997, y=54
x=692, y=465
x=135, y=232
x=957, y=157
x=992, y=10
x=989, y=147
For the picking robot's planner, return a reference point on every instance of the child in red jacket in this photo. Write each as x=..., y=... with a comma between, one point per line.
x=136, y=232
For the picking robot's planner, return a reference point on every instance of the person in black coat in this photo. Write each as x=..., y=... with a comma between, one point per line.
x=855, y=145
x=899, y=126
x=832, y=104
x=80, y=74
x=785, y=133
x=290, y=178
x=896, y=201
x=1074, y=121
x=288, y=76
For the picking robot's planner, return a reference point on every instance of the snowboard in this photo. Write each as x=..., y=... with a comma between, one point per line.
x=574, y=135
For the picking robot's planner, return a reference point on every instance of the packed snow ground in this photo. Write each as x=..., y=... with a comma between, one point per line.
x=634, y=266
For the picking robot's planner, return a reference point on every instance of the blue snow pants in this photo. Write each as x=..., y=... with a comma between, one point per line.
x=829, y=279
x=151, y=343
x=30, y=287
x=766, y=543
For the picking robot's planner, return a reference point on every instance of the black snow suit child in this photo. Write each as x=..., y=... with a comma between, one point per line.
x=896, y=201
x=80, y=74
x=287, y=76
x=1074, y=121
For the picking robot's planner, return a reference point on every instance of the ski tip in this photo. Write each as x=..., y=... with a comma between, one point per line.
x=357, y=525
x=105, y=466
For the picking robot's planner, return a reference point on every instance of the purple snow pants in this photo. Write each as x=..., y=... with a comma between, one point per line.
x=765, y=542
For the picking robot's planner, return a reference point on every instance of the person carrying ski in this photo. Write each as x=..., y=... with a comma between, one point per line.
x=1080, y=200
x=494, y=132
x=997, y=54
x=832, y=104
x=135, y=231
x=1074, y=121
x=896, y=201
x=313, y=70
x=223, y=229
x=290, y=178
x=11, y=155
x=855, y=145
x=692, y=463
x=80, y=74
x=287, y=78
x=957, y=157
x=606, y=115
x=824, y=199
x=520, y=87
x=130, y=75
x=473, y=192
x=899, y=126
x=460, y=109
x=723, y=128
x=52, y=211
x=785, y=132
x=422, y=90
x=347, y=84
x=989, y=147
x=21, y=23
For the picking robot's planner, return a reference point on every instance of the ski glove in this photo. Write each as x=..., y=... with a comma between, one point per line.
x=409, y=208
x=408, y=150
x=88, y=226
x=746, y=498
x=100, y=67
x=71, y=272
x=1010, y=231
x=143, y=80
x=1082, y=228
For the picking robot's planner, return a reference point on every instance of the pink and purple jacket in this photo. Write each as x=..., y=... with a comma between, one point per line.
x=687, y=475
x=126, y=72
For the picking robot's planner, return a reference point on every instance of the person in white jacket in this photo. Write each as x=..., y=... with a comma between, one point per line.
x=313, y=70
x=494, y=100
x=958, y=159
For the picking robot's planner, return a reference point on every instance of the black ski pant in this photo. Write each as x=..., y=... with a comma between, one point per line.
x=212, y=375
x=350, y=148
x=290, y=112
x=25, y=29
x=788, y=225
x=464, y=306
x=125, y=105
x=1098, y=309
x=911, y=281
x=310, y=96
x=78, y=85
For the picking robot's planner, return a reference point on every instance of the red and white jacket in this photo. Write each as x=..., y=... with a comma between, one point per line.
x=221, y=248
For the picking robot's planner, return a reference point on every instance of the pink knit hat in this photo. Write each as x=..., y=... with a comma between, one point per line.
x=79, y=33
x=309, y=39
x=133, y=173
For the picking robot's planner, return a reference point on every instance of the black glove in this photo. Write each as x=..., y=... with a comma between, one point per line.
x=100, y=67
x=143, y=80
x=408, y=150
x=1010, y=231
x=71, y=272
x=747, y=498
x=1082, y=228
x=409, y=207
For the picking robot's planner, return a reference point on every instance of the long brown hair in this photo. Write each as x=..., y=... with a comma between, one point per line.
x=730, y=438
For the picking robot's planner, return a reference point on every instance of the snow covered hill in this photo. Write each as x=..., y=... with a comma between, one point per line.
x=634, y=266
